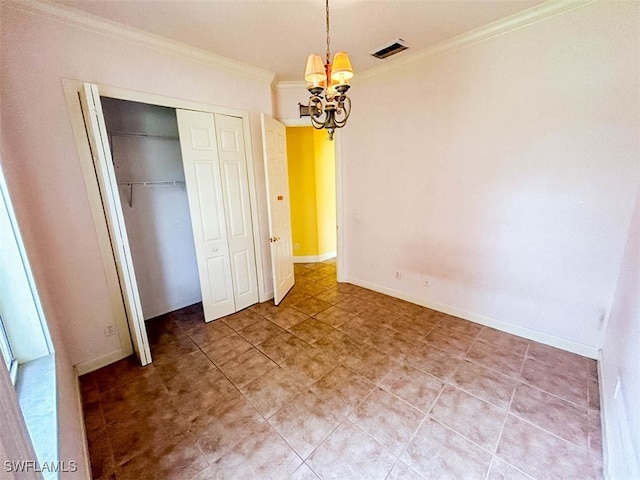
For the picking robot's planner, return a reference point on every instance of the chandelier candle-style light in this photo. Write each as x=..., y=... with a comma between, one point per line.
x=332, y=79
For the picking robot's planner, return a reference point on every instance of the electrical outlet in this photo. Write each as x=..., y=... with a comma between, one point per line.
x=109, y=330
x=398, y=276
x=296, y=246
x=425, y=282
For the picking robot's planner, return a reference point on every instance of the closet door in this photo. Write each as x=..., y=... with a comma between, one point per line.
x=235, y=188
x=204, y=190
x=107, y=184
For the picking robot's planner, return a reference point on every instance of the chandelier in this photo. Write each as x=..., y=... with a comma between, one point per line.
x=332, y=110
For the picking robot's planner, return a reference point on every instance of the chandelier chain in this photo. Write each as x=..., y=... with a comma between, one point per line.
x=328, y=38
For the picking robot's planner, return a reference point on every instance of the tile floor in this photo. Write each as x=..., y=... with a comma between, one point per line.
x=340, y=382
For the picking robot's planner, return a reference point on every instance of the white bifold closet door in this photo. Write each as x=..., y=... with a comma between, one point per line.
x=214, y=159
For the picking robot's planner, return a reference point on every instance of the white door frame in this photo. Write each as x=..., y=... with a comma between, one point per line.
x=71, y=89
x=341, y=274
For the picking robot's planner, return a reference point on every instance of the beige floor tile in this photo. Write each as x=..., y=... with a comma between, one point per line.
x=261, y=455
x=411, y=326
x=287, y=317
x=342, y=389
x=271, y=391
x=311, y=330
x=438, y=452
x=388, y=419
x=304, y=422
x=204, y=334
x=179, y=459
x=303, y=473
x=187, y=371
x=338, y=343
x=246, y=367
x=332, y=296
x=258, y=332
x=496, y=358
x=500, y=470
x=223, y=426
x=559, y=358
x=225, y=349
x=282, y=346
x=434, y=361
x=517, y=345
x=541, y=454
x=169, y=351
x=486, y=384
x=471, y=417
x=593, y=393
x=562, y=418
x=454, y=324
x=401, y=471
x=371, y=363
x=449, y=340
x=560, y=382
x=334, y=316
x=308, y=365
x=242, y=319
x=350, y=453
x=203, y=396
x=413, y=386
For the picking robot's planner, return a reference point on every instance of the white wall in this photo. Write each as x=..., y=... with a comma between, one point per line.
x=503, y=172
x=41, y=162
x=621, y=360
x=157, y=217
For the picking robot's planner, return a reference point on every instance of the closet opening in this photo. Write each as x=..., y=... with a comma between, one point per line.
x=147, y=161
x=185, y=216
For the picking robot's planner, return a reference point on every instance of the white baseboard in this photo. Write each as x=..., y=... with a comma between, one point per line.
x=604, y=410
x=86, y=464
x=561, y=343
x=313, y=258
x=95, y=364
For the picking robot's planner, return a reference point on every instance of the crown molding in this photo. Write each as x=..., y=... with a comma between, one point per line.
x=514, y=22
x=291, y=85
x=102, y=26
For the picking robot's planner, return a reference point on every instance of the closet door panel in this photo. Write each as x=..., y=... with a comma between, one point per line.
x=206, y=204
x=235, y=207
x=241, y=261
x=217, y=269
x=208, y=192
x=235, y=186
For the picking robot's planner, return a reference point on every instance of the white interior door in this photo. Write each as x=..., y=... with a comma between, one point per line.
x=277, y=175
x=103, y=163
x=206, y=204
x=235, y=188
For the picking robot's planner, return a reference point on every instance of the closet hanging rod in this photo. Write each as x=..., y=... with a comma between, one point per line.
x=141, y=134
x=154, y=183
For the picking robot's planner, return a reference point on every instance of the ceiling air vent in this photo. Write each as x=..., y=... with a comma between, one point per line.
x=396, y=46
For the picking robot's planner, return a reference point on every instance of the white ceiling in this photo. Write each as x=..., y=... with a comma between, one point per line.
x=277, y=35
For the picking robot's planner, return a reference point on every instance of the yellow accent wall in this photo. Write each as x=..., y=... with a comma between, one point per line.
x=311, y=161
x=325, y=158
